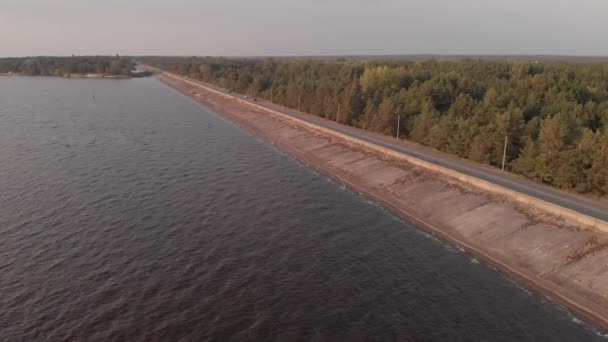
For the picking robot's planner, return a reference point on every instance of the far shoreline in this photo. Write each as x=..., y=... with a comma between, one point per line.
x=82, y=76
x=69, y=76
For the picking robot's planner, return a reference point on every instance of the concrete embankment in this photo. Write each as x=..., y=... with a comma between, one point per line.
x=566, y=261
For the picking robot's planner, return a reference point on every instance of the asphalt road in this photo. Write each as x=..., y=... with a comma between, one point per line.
x=580, y=204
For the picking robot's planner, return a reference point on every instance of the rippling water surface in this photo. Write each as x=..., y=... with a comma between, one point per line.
x=138, y=215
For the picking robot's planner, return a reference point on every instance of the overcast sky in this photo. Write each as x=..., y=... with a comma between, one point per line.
x=305, y=27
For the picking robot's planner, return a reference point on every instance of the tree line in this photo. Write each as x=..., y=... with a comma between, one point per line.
x=65, y=66
x=554, y=116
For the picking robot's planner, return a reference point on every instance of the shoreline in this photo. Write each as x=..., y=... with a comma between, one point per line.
x=77, y=76
x=536, y=269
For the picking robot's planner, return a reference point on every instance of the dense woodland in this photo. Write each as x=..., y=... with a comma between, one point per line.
x=555, y=116
x=65, y=66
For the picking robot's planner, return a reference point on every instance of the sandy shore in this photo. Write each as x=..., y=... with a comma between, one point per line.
x=566, y=262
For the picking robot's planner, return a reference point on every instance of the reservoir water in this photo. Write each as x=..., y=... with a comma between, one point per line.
x=138, y=215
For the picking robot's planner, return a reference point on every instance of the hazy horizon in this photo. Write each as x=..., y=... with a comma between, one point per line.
x=295, y=28
x=422, y=55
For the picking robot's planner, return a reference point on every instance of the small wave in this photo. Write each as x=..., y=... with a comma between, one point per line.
x=518, y=285
x=365, y=200
x=584, y=324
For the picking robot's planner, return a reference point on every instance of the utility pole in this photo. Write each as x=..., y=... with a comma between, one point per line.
x=338, y=114
x=398, y=125
x=504, y=153
x=299, y=103
x=271, y=92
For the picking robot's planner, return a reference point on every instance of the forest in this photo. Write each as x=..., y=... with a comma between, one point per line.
x=65, y=66
x=554, y=116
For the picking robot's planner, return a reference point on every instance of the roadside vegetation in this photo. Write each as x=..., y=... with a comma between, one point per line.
x=554, y=116
x=66, y=66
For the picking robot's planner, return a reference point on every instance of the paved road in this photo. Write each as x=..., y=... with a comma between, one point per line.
x=578, y=203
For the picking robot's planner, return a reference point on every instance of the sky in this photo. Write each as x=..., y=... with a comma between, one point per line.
x=302, y=28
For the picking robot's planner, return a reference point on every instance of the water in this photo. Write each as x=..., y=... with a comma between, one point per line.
x=141, y=216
